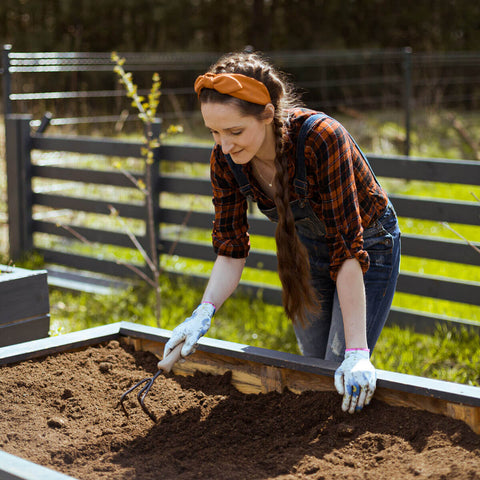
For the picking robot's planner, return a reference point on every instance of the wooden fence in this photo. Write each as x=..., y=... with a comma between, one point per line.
x=22, y=199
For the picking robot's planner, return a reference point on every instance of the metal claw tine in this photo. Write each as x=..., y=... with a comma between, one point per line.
x=164, y=365
x=141, y=394
x=144, y=392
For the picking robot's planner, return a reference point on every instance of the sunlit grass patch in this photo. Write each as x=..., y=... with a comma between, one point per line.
x=447, y=354
x=435, y=306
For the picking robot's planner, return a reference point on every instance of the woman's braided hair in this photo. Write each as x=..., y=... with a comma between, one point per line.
x=298, y=296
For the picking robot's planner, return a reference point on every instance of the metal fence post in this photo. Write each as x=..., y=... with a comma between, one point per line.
x=407, y=95
x=7, y=80
x=19, y=184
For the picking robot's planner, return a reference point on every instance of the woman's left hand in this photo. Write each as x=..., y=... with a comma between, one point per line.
x=356, y=380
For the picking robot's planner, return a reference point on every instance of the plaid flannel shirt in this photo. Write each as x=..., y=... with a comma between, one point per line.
x=341, y=189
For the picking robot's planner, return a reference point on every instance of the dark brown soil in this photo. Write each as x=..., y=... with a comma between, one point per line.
x=61, y=412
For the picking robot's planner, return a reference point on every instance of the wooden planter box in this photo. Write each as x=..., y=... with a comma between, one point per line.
x=254, y=370
x=24, y=305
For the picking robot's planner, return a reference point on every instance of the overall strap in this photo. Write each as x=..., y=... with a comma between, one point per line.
x=240, y=177
x=300, y=181
x=300, y=176
x=365, y=159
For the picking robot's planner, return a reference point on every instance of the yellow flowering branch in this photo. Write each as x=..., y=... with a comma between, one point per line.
x=147, y=111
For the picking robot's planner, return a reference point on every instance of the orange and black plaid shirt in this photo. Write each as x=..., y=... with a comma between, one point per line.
x=341, y=189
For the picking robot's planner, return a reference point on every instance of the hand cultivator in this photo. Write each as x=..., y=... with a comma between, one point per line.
x=164, y=366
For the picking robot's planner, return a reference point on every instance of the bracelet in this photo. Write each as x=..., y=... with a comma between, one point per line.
x=357, y=349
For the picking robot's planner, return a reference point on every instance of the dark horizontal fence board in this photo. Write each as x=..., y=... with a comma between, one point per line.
x=407, y=283
x=191, y=219
x=426, y=322
x=199, y=251
x=84, y=175
x=185, y=153
x=417, y=246
x=88, y=145
x=81, y=262
x=188, y=249
x=436, y=210
x=440, y=288
x=91, y=234
x=263, y=260
x=427, y=169
x=120, y=148
x=269, y=293
x=182, y=185
x=86, y=205
x=439, y=249
x=258, y=225
x=262, y=226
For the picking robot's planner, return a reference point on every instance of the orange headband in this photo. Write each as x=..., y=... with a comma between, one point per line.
x=235, y=85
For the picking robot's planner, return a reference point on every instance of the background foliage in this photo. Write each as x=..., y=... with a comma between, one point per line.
x=221, y=25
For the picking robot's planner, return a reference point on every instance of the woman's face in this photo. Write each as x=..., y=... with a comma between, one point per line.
x=241, y=136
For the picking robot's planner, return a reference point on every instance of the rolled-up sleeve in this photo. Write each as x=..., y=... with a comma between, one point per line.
x=230, y=228
x=337, y=158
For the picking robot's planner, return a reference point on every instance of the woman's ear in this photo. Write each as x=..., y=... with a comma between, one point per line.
x=269, y=113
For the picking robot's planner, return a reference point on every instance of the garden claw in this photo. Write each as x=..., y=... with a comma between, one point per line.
x=164, y=366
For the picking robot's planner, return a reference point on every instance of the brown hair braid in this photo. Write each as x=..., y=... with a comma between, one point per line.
x=298, y=296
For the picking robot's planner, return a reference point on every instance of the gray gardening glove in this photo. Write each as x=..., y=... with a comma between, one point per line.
x=191, y=330
x=356, y=380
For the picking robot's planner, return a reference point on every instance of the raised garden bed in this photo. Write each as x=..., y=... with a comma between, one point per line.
x=230, y=411
x=24, y=305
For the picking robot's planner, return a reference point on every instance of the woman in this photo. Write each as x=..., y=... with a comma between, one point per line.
x=338, y=242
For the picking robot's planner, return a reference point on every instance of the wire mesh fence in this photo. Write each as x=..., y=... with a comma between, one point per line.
x=80, y=87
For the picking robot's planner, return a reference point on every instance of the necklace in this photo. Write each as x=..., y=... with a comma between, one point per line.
x=270, y=183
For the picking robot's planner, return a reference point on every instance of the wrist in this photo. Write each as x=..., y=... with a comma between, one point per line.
x=357, y=353
x=210, y=303
x=206, y=308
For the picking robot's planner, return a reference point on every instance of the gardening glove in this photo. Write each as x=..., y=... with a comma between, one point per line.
x=356, y=380
x=191, y=330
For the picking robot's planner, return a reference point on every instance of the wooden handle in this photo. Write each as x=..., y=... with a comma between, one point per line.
x=168, y=362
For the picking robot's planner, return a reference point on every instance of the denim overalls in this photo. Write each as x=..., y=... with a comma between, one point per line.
x=324, y=336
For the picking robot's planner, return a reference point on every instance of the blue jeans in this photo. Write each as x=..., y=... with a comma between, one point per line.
x=324, y=336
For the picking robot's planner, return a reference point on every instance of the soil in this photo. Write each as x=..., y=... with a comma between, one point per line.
x=62, y=412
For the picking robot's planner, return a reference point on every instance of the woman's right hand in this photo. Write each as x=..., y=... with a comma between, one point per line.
x=191, y=330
